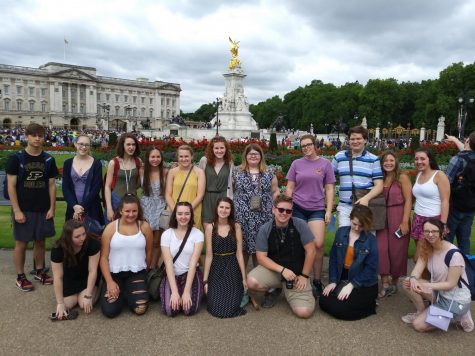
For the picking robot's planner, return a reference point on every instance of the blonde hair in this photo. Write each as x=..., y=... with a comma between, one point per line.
x=249, y=148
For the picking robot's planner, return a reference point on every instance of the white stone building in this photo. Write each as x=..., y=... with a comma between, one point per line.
x=70, y=96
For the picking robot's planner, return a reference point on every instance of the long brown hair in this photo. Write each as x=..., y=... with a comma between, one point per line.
x=120, y=145
x=210, y=157
x=147, y=169
x=173, y=219
x=397, y=171
x=129, y=199
x=65, y=242
x=231, y=219
x=426, y=248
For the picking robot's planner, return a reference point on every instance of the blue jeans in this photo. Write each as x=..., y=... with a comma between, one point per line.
x=459, y=224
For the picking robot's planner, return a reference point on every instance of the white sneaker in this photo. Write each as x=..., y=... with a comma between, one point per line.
x=409, y=318
x=466, y=322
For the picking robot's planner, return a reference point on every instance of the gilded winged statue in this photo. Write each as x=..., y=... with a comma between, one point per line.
x=235, y=62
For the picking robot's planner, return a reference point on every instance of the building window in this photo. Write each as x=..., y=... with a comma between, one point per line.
x=82, y=109
x=108, y=96
x=151, y=113
x=98, y=109
x=151, y=101
x=98, y=96
x=143, y=112
x=6, y=89
x=32, y=106
x=73, y=108
x=65, y=107
x=82, y=94
x=43, y=92
x=19, y=90
x=143, y=100
x=117, y=111
x=31, y=91
x=168, y=101
x=43, y=107
x=19, y=104
x=134, y=112
x=161, y=114
x=126, y=98
x=135, y=100
x=173, y=102
x=163, y=101
x=117, y=98
x=6, y=104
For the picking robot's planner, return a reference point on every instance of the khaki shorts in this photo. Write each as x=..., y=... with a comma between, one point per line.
x=295, y=297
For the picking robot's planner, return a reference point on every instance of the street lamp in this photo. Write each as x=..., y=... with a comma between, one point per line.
x=217, y=123
x=463, y=112
x=127, y=113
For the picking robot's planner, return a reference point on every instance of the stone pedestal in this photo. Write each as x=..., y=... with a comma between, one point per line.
x=422, y=134
x=440, y=129
x=377, y=133
x=233, y=111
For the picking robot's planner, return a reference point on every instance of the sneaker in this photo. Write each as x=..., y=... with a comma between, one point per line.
x=409, y=318
x=24, y=284
x=43, y=277
x=270, y=296
x=466, y=322
x=317, y=289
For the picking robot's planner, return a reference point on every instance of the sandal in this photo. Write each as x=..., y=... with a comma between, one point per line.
x=387, y=291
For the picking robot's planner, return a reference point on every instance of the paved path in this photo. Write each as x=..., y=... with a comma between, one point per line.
x=26, y=329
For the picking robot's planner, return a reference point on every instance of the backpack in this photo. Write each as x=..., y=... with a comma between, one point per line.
x=469, y=269
x=114, y=177
x=463, y=188
x=21, y=169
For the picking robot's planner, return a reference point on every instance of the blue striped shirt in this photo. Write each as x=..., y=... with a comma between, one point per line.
x=366, y=169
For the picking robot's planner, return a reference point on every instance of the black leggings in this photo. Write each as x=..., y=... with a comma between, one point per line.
x=133, y=291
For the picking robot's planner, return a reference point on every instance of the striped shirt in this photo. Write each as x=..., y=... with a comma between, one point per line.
x=366, y=169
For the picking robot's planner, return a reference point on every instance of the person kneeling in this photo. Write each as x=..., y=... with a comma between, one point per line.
x=285, y=253
x=353, y=271
x=182, y=289
x=74, y=261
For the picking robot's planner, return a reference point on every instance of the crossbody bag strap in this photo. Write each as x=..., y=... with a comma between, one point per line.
x=350, y=163
x=182, y=246
x=184, y=183
x=431, y=280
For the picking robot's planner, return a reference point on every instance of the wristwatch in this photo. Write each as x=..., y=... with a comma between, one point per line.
x=304, y=275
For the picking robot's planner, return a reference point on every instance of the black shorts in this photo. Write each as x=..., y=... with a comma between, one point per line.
x=36, y=227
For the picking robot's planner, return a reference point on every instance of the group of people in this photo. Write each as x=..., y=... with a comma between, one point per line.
x=239, y=214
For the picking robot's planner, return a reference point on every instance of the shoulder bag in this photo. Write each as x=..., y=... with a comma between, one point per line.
x=256, y=200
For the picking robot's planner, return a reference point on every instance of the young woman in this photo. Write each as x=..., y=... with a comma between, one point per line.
x=393, y=240
x=431, y=192
x=192, y=189
x=444, y=288
x=224, y=273
x=217, y=163
x=82, y=182
x=153, y=199
x=182, y=289
x=123, y=173
x=353, y=271
x=253, y=181
x=309, y=181
x=126, y=253
x=74, y=261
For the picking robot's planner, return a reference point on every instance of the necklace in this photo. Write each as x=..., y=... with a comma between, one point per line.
x=282, y=234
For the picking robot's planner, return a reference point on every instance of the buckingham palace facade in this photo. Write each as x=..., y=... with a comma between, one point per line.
x=58, y=95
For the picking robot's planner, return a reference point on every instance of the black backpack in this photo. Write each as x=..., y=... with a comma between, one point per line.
x=469, y=270
x=463, y=188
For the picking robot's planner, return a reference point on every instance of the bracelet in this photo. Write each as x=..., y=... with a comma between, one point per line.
x=87, y=296
x=412, y=277
x=283, y=268
x=205, y=283
x=304, y=275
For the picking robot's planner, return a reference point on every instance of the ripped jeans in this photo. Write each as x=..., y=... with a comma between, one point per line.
x=133, y=291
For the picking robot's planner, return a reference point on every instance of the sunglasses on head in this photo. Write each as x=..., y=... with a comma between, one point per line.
x=282, y=210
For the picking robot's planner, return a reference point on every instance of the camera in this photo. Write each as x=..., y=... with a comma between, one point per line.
x=289, y=284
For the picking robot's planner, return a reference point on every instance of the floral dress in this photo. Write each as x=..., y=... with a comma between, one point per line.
x=153, y=205
x=246, y=185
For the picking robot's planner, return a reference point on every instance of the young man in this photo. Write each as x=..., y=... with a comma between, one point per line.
x=285, y=252
x=367, y=173
x=460, y=220
x=32, y=192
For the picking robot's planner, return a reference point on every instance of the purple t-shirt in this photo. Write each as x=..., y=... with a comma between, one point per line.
x=310, y=178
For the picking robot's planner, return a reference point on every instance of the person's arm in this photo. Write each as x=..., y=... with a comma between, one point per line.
x=186, y=297
x=330, y=198
x=452, y=279
x=412, y=281
x=310, y=253
x=289, y=188
x=68, y=188
x=11, y=185
x=201, y=187
x=175, y=299
x=444, y=191
x=239, y=254
x=266, y=262
x=406, y=188
x=108, y=190
x=57, y=269
x=148, y=233
x=332, y=269
x=455, y=140
x=52, y=198
x=112, y=287
x=373, y=193
x=92, y=265
x=169, y=189
x=209, y=255
x=274, y=187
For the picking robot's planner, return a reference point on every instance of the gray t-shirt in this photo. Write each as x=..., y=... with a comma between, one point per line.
x=306, y=235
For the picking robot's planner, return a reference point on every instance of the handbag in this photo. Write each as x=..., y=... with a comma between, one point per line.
x=92, y=226
x=377, y=205
x=165, y=216
x=155, y=277
x=256, y=200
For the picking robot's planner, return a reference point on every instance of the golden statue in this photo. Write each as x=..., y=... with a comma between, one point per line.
x=235, y=62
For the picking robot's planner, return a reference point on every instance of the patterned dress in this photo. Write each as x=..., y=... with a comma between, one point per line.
x=153, y=205
x=244, y=188
x=224, y=280
x=216, y=187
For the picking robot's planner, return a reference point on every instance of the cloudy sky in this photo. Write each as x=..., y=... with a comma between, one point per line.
x=283, y=43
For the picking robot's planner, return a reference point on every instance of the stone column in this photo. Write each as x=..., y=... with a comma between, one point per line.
x=440, y=129
x=69, y=97
x=422, y=134
x=378, y=133
x=78, y=97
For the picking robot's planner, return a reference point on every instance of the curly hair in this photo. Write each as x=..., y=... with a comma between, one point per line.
x=210, y=157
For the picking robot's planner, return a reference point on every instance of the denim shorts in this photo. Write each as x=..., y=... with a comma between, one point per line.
x=307, y=215
x=458, y=309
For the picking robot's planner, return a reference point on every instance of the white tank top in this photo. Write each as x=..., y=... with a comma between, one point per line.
x=427, y=197
x=127, y=252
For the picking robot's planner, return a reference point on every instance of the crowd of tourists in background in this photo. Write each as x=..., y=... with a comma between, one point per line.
x=118, y=228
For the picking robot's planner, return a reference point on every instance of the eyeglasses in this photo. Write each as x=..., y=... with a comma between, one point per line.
x=431, y=232
x=282, y=210
x=253, y=154
x=80, y=144
x=306, y=146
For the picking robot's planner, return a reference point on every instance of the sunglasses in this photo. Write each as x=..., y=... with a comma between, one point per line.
x=282, y=210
